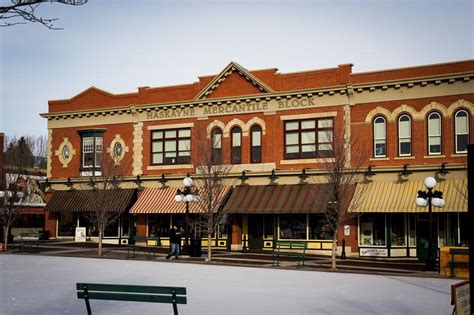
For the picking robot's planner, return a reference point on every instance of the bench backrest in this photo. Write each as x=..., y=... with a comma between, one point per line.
x=459, y=251
x=291, y=245
x=133, y=293
x=29, y=236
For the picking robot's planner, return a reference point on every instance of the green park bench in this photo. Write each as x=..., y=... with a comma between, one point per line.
x=149, y=250
x=133, y=293
x=28, y=241
x=289, y=249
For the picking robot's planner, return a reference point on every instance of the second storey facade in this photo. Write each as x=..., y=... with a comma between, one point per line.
x=274, y=129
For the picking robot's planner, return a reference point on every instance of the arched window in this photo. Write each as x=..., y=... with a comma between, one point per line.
x=216, y=143
x=256, y=144
x=236, y=154
x=434, y=133
x=380, y=137
x=404, y=135
x=462, y=131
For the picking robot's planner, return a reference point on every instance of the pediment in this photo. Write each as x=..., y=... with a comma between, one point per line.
x=234, y=80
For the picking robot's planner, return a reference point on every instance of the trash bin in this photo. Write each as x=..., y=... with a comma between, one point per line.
x=195, y=247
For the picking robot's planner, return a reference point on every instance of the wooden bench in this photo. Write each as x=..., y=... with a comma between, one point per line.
x=28, y=241
x=453, y=263
x=133, y=293
x=149, y=250
x=289, y=249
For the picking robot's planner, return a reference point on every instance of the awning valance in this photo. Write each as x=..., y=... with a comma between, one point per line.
x=307, y=198
x=400, y=196
x=161, y=200
x=116, y=200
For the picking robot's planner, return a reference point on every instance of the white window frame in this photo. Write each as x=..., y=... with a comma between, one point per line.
x=430, y=136
x=400, y=138
x=456, y=134
x=381, y=138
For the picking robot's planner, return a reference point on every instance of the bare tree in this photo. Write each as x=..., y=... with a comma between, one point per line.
x=24, y=11
x=212, y=185
x=101, y=193
x=17, y=158
x=342, y=171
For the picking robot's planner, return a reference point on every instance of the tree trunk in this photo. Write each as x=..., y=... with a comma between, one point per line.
x=209, y=247
x=5, y=238
x=101, y=232
x=334, y=251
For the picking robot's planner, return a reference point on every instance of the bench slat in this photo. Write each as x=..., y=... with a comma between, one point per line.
x=129, y=288
x=132, y=297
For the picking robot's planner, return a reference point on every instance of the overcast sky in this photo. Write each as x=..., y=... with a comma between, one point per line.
x=118, y=45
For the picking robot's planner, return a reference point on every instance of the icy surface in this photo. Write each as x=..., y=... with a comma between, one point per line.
x=46, y=285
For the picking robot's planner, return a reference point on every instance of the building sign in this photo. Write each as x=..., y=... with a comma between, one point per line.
x=460, y=298
x=230, y=109
x=347, y=230
x=380, y=252
x=80, y=234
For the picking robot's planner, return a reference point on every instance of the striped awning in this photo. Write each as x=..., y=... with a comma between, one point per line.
x=115, y=200
x=400, y=197
x=278, y=199
x=161, y=200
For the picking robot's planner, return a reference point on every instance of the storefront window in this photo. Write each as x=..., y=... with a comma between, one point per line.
x=412, y=220
x=372, y=229
x=464, y=229
x=222, y=231
x=159, y=224
x=268, y=226
x=67, y=222
x=112, y=229
x=125, y=225
x=319, y=227
x=292, y=226
x=398, y=230
x=441, y=230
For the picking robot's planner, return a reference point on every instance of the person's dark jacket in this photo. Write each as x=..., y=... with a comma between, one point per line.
x=175, y=236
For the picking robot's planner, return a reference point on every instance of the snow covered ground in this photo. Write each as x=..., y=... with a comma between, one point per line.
x=31, y=284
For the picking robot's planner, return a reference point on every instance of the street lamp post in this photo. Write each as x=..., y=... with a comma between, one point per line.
x=430, y=198
x=186, y=195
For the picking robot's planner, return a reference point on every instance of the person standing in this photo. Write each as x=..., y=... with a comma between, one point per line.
x=175, y=242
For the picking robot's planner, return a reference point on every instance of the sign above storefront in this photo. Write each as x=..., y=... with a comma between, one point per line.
x=378, y=252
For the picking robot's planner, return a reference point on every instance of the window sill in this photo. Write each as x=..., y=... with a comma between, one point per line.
x=379, y=159
x=404, y=158
x=434, y=156
x=307, y=161
x=168, y=167
x=459, y=155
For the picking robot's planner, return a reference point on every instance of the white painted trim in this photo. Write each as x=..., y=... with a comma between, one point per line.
x=307, y=161
x=168, y=167
x=306, y=116
x=171, y=126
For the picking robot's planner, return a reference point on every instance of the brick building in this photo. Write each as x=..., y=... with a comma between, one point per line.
x=278, y=131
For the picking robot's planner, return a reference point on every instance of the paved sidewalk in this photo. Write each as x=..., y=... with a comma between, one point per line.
x=41, y=284
x=263, y=259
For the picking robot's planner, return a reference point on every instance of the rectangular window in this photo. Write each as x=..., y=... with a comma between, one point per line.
x=319, y=227
x=171, y=146
x=292, y=226
x=372, y=230
x=398, y=230
x=159, y=225
x=91, y=152
x=309, y=138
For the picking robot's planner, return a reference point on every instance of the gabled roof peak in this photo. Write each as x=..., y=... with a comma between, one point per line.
x=229, y=69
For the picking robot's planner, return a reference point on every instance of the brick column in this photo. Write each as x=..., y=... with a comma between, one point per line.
x=236, y=244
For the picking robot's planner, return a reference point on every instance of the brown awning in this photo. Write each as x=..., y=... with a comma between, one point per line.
x=161, y=200
x=116, y=200
x=306, y=198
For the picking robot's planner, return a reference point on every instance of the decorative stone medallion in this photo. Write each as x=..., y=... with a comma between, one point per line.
x=65, y=152
x=117, y=149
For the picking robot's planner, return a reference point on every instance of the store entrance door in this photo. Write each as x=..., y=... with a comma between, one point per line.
x=255, y=225
x=422, y=236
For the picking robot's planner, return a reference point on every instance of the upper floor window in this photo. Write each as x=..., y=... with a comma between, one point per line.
x=236, y=154
x=91, y=152
x=216, y=143
x=380, y=137
x=308, y=138
x=256, y=144
x=171, y=146
x=404, y=135
x=462, y=131
x=434, y=133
